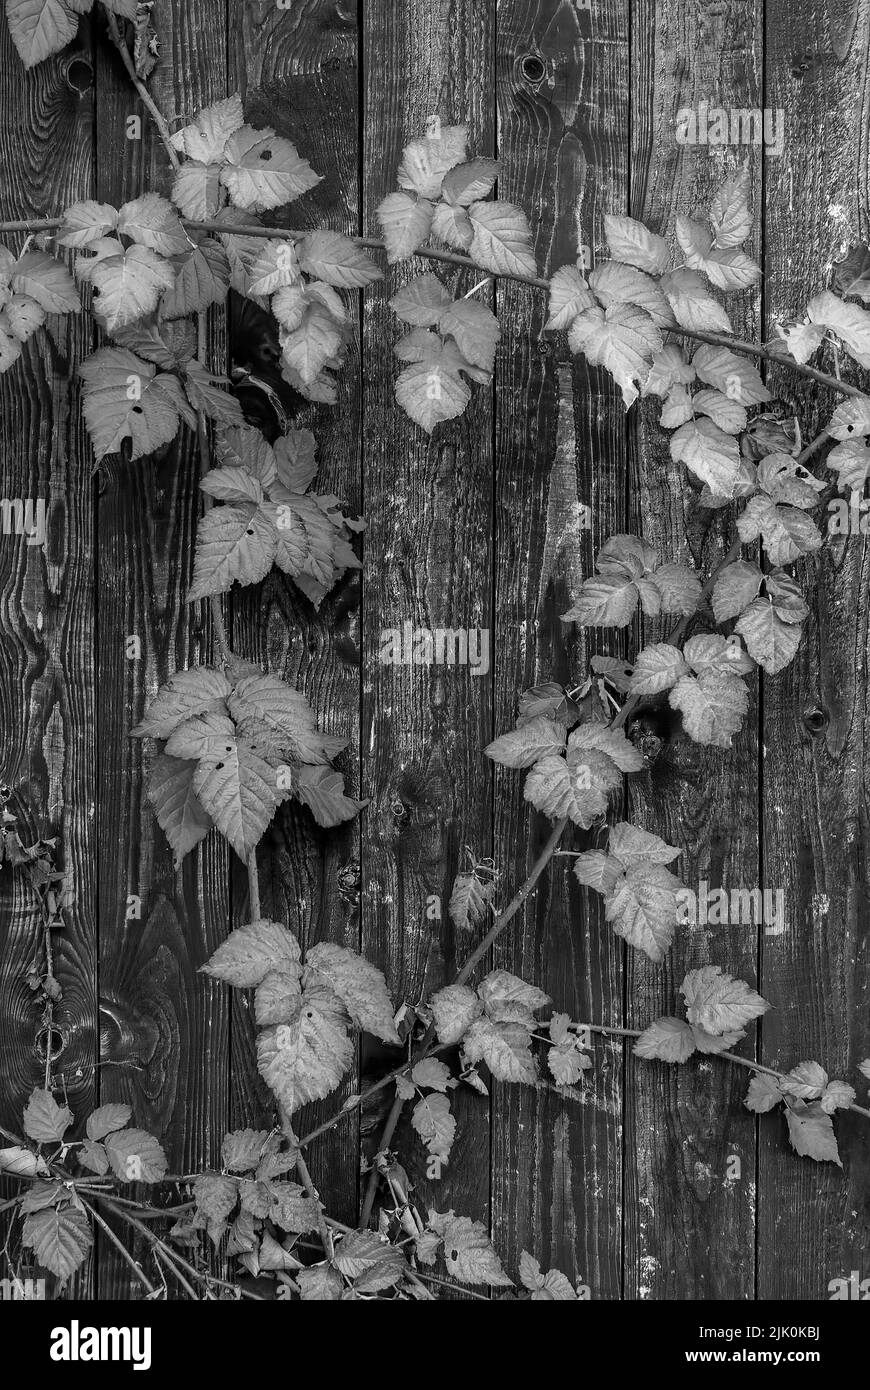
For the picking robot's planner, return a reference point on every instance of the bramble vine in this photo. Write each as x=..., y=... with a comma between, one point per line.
x=234, y=742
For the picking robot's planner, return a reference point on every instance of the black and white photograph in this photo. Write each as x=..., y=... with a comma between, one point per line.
x=434, y=642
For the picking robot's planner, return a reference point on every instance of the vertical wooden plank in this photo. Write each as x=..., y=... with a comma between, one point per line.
x=297, y=68
x=164, y=1026
x=560, y=445
x=428, y=562
x=47, y=608
x=815, y=1218
x=685, y=1125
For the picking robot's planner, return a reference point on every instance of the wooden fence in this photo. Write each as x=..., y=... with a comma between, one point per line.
x=632, y=1188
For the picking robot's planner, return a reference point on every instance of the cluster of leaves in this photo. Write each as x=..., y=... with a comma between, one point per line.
x=56, y=1223
x=237, y=744
x=269, y=517
x=570, y=773
x=444, y=197
x=810, y=1100
x=38, y=864
x=630, y=572
x=31, y=285
x=640, y=893
x=304, y=1009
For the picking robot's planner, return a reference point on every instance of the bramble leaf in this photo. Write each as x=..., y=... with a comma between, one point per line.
x=261, y=170
x=358, y=984
x=667, y=1039
x=40, y=28
x=252, y=952
x=126, y=398
x=717, y=1003
x=45, y=1120
x=305, y=1059
x=502, y=240
x=59, y=1238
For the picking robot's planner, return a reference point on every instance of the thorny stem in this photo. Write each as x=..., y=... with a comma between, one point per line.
x=145, y=95
x=747, y=1062
x=120, y=1247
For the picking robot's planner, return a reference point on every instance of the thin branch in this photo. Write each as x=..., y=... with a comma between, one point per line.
x=747, y=1062
x=356, y=1101
x=254, y=889
x=217, y=616
x=446, y=1284
x=120, y=1247
x=146, y=98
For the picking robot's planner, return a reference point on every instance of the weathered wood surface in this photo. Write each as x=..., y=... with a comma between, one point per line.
x=648, y=1183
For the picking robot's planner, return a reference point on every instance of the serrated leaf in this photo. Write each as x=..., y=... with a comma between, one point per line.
x=524, y=746
x=811, y=1132
x=125, y=398
x=605, y=739
x=261, y=170
x=206, y=136
x=60, y=1239
x=669, y=369
x=734, y=376
x=735, y=589
x=242, y=1149
x=501, y=987
x=595, y=869
x=286, y=715
x=252, y=952
x=712, y=706
x=850, y=323
x=468, y=1252
x=196, y=190
x=635, y=846
x=452, y=226
x=107, y=1118
x=184, y=695
x=46, y=280
x=306, y=1058
x=40, y=28
x=722, y=656
x=321, y=789
x=643, y=909
x=622, y=339
x=333, y=257
x=569, y=296
x=693, y=307
x=838, y=1095
x=469, y=183
x=667, y=1039
x=787, y=532
x=657, y=668
x=677, y=408
x=21, y=1163
x=436, y=1126
x=153, y=222
x=205, y=396
x=709, y=453
x=454, y=1009
x=235, y=543
x=359, y=984
x=567, y=1064
x=475, y=329
x=405, y=224
x=555, y=790
x=717, y=1003
x=421, y=301
x=45, y=1121
x=432, y=1074
x=469, y=900
x=633, y=243
x=730, y=416
x=136, y=1156
x=215, y=1195
x=169, y=344
x=426, y=160
x=729, y=212
x=240, y=793
x=679, y=588
x=86, y=222
x=430, y=393
x=603, y=601
x=319, y=1283
x=807, y=1081
x=614, y=283
x=769, y=641
x=502, y=239
x=504, y=1047
x=129, y=286
x=202, y=279
x=763, y=1094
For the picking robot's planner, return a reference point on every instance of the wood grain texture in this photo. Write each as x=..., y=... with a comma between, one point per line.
x=47, y=612
x=164, y=1027
x=297, y=68
x=815, y=1219
x=560, y=444
x=428, y=561
x=685, y=1127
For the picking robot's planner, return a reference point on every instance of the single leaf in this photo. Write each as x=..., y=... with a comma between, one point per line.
x=47, y=280
x=657, y=668
x=730, y=416
x=763, y=1094
x=107, y=1118
x=667, y=1039
x=729, y=212
x=569, y=296
x=643, y=909
x=321, y=789
x=613, y=742
x=475, y=329
x=306, y=1058
x=261, y=170
x=40, y=28
x=205, y=396
x=524, y=746
x=679, y=588
x=734, y=376
x=712, y=706
x=22, y=1163
x=436, y=1126
x=556, y=790
x=86, y=222
x=622, y=339
x=196, y=190
x=202, y=279
x=501, y=987
x=206, y=136
x=567, y=1064
x=469, y=183
x=421, y=301
x=811, y=1132
x=632, y=845
x=60, y=1239
x=405, y=224
x=252, y=952
x=717, y=1003
x=454, y=1009
x=124, y=398
x=597, y=870
x=709, y=453
x=787, y=532
x=136, y=1156
x=152, y=221
x=240, y=793
x=623, y=284
x=242, y=1149
x=735, y=589
x=502, y=239
x=432, y=1074
x=129, y=286
x=469, y=1254
x=504, y=1047
x=426, y=160
x=452, y=226
x=807, y=1081
x=838, y=1095
x=333, y=257
x=286, y=715
x=44, y=1120
x=769, y=641
x=603, y=601
x=693, y=307
x=469, y=900
x=633, y=243
x=236, y=543
x=669, y=369
x=360, y=986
